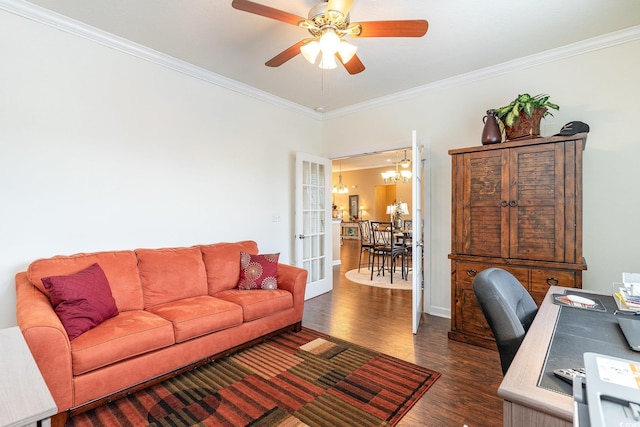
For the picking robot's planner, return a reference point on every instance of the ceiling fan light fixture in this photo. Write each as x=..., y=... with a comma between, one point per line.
x=310, y=51
x=329, y=42
x=328, y=62
x=346, y=51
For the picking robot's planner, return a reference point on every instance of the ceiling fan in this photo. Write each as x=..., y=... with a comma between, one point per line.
x=328, y=23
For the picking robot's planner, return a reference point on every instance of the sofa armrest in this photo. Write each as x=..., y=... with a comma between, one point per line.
x=47, y=340
x=294, y=280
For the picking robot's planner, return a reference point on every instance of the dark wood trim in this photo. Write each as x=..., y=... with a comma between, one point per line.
x=513, y=144
x=521, y=262
x=472, y=339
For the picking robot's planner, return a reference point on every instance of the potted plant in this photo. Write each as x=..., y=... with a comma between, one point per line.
x=518, y=125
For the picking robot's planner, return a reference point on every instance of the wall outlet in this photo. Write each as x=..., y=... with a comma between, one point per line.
x=275, y=218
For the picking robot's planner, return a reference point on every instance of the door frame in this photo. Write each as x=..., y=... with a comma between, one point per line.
x=426, y=199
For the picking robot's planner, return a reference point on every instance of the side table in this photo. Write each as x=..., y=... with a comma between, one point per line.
x=350, y=230
x=24, y=396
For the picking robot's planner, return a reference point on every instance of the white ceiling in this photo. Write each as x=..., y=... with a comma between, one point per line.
x=463, y=36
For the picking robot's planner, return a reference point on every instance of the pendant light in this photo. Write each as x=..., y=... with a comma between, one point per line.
x=340, y=188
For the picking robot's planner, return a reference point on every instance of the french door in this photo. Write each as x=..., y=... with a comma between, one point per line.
x=417, y=242
x=313, y=222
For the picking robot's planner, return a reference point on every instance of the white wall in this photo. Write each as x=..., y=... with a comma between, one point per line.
x=100, y=150
x=600, y=88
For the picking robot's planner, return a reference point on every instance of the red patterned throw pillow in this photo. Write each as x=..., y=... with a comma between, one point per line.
x=258, y=271
x=81, y=300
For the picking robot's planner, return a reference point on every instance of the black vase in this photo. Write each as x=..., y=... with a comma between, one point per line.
x=491, y=133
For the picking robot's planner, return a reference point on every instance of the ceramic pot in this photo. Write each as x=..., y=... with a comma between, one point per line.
x=491, y=133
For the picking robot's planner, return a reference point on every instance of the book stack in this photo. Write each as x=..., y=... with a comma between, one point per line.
x=628, y=301
x=628, y=293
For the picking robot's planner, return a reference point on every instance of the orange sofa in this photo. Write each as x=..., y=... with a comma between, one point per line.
x=177, y=308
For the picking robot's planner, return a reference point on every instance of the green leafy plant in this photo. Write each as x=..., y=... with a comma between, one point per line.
x=524, y=103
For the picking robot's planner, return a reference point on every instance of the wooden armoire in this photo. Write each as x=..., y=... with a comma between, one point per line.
x=516, y=206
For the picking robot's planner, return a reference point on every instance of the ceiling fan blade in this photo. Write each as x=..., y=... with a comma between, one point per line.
x=354, y=66
x=342, y=6
x=407, y=28
x=285, y=55
x=266, y=11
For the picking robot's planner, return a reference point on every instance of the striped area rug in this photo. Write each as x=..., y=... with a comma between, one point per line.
x=295, y=379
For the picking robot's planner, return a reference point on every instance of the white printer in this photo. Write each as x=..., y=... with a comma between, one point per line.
x=609, y=394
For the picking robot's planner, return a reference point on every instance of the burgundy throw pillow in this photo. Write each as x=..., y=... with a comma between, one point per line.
x=81, y=300
x=258, y=271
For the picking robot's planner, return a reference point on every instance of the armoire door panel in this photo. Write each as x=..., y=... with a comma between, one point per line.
x=483, y=210
x=536, y=222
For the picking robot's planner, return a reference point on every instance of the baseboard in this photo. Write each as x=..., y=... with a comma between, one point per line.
x=439, y=311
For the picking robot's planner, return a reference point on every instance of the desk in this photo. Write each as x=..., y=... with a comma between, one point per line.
x=528, y=389
x=24, y=396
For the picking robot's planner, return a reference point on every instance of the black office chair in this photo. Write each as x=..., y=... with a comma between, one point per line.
x=508, y=308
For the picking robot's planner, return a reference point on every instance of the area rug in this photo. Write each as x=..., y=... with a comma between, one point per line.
x=364, y=278
x=295, y=379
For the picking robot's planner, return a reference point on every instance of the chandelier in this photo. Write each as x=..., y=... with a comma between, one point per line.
x=396, y=176
x=340, y=188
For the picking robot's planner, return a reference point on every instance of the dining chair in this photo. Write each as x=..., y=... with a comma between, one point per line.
x=407, y=228
x=508, y=308
x=366, y=242
x=384, y=247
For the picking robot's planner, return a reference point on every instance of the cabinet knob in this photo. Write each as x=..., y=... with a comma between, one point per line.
x=471, y=272
x=504, y=203
x=552, y=281
x=513, y=203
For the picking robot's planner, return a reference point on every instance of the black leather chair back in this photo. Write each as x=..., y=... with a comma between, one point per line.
x=508, y=308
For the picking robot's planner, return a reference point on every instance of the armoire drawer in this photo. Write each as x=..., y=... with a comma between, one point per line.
x=541, y=279
x=466, y=272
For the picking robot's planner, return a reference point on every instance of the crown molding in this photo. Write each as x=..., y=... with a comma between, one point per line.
x=64, y=23
x=601, y=42
x=55, y=20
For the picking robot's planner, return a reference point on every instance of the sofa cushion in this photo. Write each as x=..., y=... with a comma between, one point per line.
x=258, y=304
x=171, y=274
x=193, y=317
x=222, y=261
x=126, y=335
x=258, y=271
x=120, y=268
x=81, y=300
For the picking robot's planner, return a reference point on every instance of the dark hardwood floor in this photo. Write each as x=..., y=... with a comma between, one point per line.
x=380, y=319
